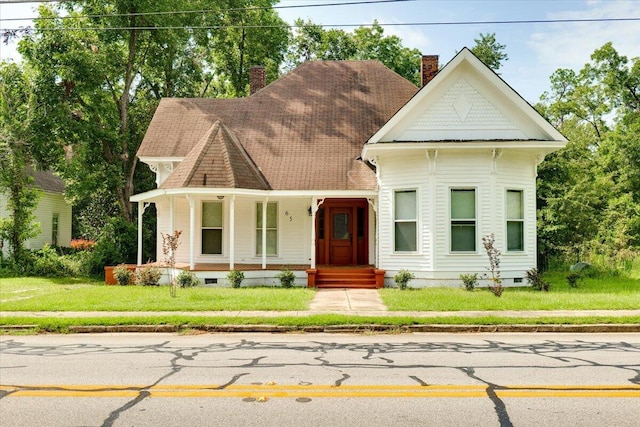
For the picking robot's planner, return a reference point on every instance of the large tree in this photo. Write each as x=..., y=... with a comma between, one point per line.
x=490, y=51
x=100, y=69
x=16, y=162
x=589, y=193
x=312, y=42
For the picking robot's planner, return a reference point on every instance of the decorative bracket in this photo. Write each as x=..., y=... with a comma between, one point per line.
x=496, y=153
x=432, y=155
x=374, y=204
x=538, y=158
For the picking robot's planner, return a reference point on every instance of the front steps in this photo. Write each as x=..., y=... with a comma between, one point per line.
x=346, y=277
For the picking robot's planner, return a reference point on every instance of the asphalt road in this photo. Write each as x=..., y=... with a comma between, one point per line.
x=320, y=380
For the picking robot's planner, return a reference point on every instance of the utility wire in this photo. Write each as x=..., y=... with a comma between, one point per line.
x=203, y=11
x=396, y=24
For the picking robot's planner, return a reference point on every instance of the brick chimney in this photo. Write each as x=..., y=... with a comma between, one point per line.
x=257, y=78
x=428, y=68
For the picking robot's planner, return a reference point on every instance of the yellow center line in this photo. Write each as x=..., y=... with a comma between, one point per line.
x=328, y=391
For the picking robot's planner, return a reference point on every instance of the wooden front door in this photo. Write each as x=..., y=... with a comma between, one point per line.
x=341, y=232
x=341, y=236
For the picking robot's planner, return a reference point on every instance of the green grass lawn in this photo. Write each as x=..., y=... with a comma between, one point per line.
x=611, y=293
x=42, y=294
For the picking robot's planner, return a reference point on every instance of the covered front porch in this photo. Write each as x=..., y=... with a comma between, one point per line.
x=264, y=232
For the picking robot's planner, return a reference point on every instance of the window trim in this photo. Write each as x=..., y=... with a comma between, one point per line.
x=222, y=227
x=415, y=221
x=55, y=228
x=508, y=220
x=277, y=229
x=453, y=221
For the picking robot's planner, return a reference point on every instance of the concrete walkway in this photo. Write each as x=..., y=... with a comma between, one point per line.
x=332, y=300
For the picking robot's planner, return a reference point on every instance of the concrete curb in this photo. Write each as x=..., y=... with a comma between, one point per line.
x=350, y=329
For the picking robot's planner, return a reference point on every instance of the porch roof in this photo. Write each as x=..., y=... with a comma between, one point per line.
x=157, y=194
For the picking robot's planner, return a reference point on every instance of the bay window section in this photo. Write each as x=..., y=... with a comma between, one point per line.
x=406, y=221
x=515, y=221
x=272, y=228
x=212, y=228
x=463, y=220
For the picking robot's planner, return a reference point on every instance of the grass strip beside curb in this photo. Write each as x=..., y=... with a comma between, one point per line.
x=319, y=323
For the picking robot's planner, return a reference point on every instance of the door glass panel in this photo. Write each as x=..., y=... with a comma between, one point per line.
x=340, y=226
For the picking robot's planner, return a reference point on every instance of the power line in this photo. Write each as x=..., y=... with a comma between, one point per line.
x=203, y=11
x=394, y=24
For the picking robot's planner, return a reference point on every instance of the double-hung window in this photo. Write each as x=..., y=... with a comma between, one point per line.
x=463, y=220
x=212, y=228
x=515, y=220
x=406, y=221
x=272, y=229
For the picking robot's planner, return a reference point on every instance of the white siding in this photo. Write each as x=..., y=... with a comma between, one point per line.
x=48, y=204
x=294, y=230
x=458, y=169
x=405, y=174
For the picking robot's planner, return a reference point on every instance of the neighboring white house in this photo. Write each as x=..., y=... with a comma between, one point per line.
x=345, y=163
x=52, y=213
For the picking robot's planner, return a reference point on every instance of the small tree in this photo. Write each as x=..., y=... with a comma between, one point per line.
x=494, y=264
x=170, y=243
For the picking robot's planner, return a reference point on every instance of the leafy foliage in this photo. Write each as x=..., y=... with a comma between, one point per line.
x=16, y=163
x=312, y=42
x=186, y=279
x=235, y=277
x=148, y=276
x=469, y=280
x=287, y=277
x=123, y=274
x=489, y=51
x=589, y=193
x=402, y=278
x=535, y=279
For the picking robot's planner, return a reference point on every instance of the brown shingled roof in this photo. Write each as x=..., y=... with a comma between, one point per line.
x=219, y=161
x=303, y=131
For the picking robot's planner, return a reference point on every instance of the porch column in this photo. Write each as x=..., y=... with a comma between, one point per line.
x=142, y=206
x=232, y=231
x=172, y=221
x=264, y=233
x=192, y=232
x=314, y=209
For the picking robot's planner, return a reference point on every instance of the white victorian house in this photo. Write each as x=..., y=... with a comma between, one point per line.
x=346, y=164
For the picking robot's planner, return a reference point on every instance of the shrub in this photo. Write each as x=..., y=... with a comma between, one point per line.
x=122, y=274
x=572, y=279
x=148, y=276
x=470, y=281
x=534, y=277
x=117, y=244
x=187, y=279
x=402, y=278
x=287, y=277
x=235, y=277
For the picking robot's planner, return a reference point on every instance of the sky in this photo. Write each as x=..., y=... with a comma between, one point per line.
x=535, y=50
